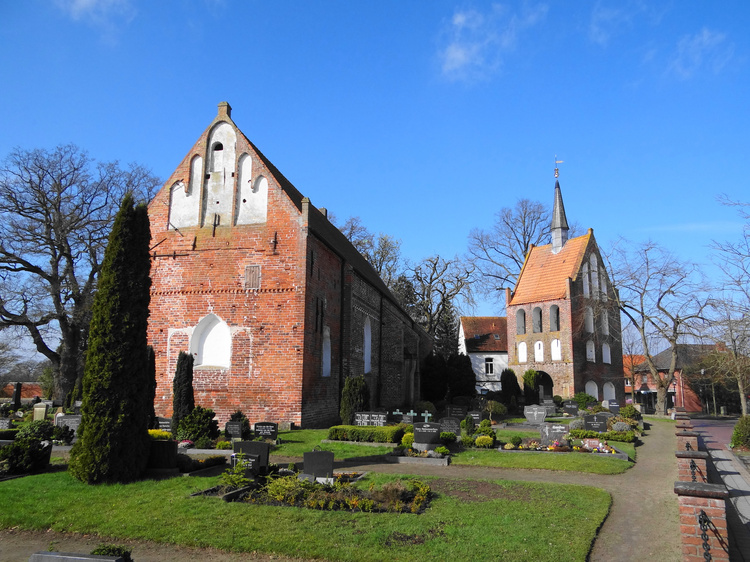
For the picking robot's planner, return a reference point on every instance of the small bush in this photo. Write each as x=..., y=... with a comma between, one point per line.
x=620, y=426
x=576, y=423
x=63, y=433
x=159, y=434
x=40, y=430
x=467, y=424
x=442, y=450
x=485, y=424
x=238, y=416
x=198, y=423
x=630, y=412
x=741, y=433
x=597, y=409
x=583, y=400
x=467, y=440
x=485, y=442
x=234, y=477
x=516, y=440
x=204, y=442
x=625, y=437
x=496, y=409
x=113, y=550
x=558, y=400
x=223, y=445
x=425, y=406
x=447, y=437
x=25, y=456
x=371, y=434
x=407, y=440
x=629, y=423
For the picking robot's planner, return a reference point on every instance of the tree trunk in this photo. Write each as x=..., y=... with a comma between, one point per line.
x=661, y=401
x=743, y=397
x=69, y=371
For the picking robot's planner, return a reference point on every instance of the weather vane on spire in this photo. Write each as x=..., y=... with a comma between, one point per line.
x=557, y=172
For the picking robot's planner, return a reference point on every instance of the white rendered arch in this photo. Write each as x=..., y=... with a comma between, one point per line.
x=211, y=343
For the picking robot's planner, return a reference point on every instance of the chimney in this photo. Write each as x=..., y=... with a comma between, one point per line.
x=324, y=211
x=225, y=110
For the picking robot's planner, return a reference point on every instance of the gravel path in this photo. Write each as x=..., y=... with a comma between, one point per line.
x=643, y=523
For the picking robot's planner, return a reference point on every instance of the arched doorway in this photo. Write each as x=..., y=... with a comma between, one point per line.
x=546, y=386
x=609, y=391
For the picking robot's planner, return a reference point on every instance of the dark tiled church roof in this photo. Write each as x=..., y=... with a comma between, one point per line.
x=487, y=334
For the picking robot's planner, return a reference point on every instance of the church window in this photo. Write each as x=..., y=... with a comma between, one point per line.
x=326, y=366
x=539, y=352
x=605, y=322
x=217, y=157
x=594, y=276
x=556, y=350
x=609, y=391
x=592, y=389
x=489, y=365
x=520, y=322
x=554, y=318
x=605, y=296
x=606, y=356
x=522, y=358
x=211, y=343
x=585, y=272
x=590, y=351
x=368, y=345
x=536, y=315
x=588, y=320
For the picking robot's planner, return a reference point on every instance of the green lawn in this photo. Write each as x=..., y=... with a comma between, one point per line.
x=468, y=520
x=296, y=443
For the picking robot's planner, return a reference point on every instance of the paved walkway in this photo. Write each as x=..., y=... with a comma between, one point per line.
x=715, y=435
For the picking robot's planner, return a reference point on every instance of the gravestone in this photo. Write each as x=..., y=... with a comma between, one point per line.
x=16, y=400
x=614, y=407
x=49, y=403
x=318, y=464
x=165, y=424
x=258, y=448
x=40, y=411
x=252, y=463
x=570, y=407
x=77, y=406
x=596, y=422
x=426, y=435
x=234, y=429
x=551, y=432
x=409, y=417
x=5, y=423
x=71, y=422
x=455, y=411
x=535, y=414
x=267, y=430
x=370, y=418
x=476, y=416
x=550, y=406
x=450, y=424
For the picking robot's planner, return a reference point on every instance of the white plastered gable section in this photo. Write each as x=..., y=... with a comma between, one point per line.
x=211, y=343
x=219, y=193
x=252, y=194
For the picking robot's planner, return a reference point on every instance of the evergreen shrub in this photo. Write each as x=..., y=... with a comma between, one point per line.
x=741, y=433
x=407, y=440
x=583, y=400
x=198, y=424
x=484, y=441
x=447, y=437
x=630, y=412
x=355, y=397
x=238, y=416
x=183, y=398
x=370, y=434
x=113, y=550
x=624, y=436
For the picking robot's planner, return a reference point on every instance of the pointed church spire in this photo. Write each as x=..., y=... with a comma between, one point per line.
x=559, y=226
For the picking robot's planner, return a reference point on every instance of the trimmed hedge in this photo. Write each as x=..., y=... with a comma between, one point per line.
x=8, y=434
x=367, y=433
x=623, y=436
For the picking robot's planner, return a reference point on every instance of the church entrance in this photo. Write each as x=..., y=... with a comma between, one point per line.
x=545, y=385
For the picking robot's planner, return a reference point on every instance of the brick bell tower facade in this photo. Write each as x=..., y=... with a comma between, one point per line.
x=273, y=302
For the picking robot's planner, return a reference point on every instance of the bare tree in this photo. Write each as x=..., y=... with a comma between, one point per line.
x=498, y=254
x=57, y=209
x=383, y=251
x=663, y=299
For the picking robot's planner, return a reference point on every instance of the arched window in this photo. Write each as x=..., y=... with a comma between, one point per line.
x=211, y=343
x=522, y=357
x=368, y=346
x=594, y=276
x=326, y=366
x=554, y=318
x=536, y=316
x=585, y=273
x=592, y=389
x=609, y=391
x=556, y=350
x=590, y=351
x=605, y=296
x=520, y=322
x=605, y=322
x=588, y=320
x=606, y=357
x=217, y=157
x=539, y=352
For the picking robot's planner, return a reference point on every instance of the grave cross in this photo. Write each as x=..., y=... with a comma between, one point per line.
x=411, y=413
x=426, y=415
x=398, y=413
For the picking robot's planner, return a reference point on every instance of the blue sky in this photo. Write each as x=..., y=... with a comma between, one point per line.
x=423, y=118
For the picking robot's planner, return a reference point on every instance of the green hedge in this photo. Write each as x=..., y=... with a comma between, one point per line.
x=367, y=433
x=624, y=436
x=8, y=434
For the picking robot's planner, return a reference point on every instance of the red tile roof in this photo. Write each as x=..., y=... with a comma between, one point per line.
x=485, y=333
x=630, y=362
x=545, y=275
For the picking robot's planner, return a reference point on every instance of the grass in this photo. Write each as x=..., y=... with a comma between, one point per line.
x=516, y=521
x=296, y=443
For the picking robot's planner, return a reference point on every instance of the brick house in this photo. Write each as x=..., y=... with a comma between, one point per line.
x=562, y=317
x=485, y=340
x=275, y=304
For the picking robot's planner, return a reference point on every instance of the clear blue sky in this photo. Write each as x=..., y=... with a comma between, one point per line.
x=423, y=118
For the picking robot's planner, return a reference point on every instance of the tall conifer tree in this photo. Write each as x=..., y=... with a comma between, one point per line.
x=183, y=398
x=113, y=443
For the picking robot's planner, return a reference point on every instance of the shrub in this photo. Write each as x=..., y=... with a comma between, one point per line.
x=485, y=441
x=485, y=424
x=238, y=416
x=629, y=423
x=234, y=477
x=407, y=440
x=8, y=434
x=40, y=430
x=496, y=409
x=223, y=445
x=630, y=412
x=583, y=400
x=354, y=398
x=425, y=406
x=516, y=440
x=576, y=423
x=558, y=400
x=598, y=408
x=741, y=433
x=485, y=431
x=531, y=386
x=467, y=440
x=204, y=442
x=25, y=456
x=183, y=398
x=198, y=423
x=467, y=424
x=113, y=550
x=371, y=434
x=447, y=437
x=620, y=426
x=625, y=437
x=159, y=434
x=442, y=450
x=63, y=433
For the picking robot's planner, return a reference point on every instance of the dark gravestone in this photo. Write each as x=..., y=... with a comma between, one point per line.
x=595, y=422
x=71, y=422
x=258, y=448
x=77, y=406
x=614, y=407
x=5, y=423
x=550, y=406
x=551, y=432
x=409, y=416
x=234, y=429
x=16, y=400
x=570, y=407
x=267, y=430
x=318, y=464
x=427, y=433
x=452, y=425
x=476, y=416
x=252, y=463
x=165, y=424
x=535, y=414
x=455, y=411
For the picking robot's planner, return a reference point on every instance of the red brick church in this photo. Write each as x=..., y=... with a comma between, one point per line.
x=273, y=302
